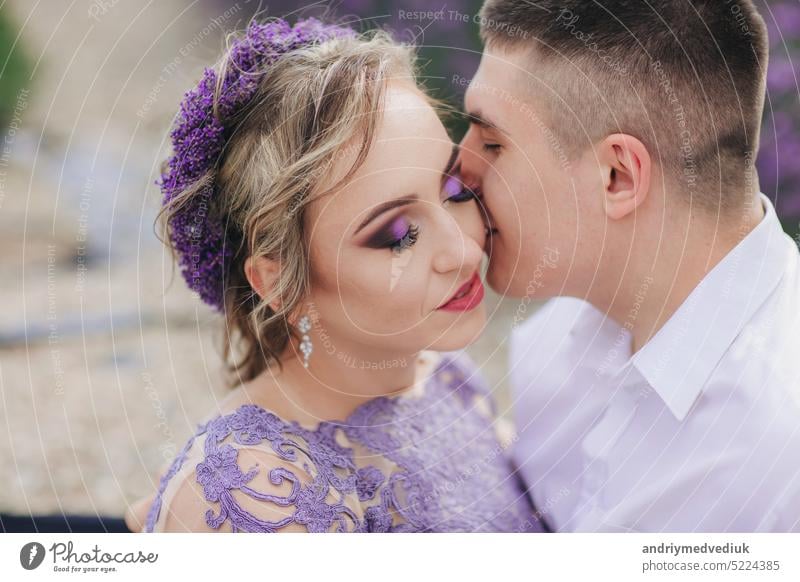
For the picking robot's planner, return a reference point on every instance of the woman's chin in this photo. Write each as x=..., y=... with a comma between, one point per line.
x=464, y=329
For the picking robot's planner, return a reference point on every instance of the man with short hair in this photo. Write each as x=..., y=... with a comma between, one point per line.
x=613, y=144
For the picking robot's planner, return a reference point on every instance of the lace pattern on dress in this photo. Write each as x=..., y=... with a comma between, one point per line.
x=447, y=470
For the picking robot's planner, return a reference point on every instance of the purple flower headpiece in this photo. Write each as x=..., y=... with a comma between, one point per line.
x=198, y=138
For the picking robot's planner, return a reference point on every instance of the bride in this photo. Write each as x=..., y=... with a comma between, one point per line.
x=313, y=197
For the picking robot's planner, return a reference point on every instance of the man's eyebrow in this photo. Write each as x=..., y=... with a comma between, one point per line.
x=477, y=118
x=384, y=206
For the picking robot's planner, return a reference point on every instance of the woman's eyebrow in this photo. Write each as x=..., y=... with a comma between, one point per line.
x=384, y=206
x=409, y=199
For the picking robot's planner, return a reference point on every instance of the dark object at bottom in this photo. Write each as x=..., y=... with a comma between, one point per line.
x=62, y=523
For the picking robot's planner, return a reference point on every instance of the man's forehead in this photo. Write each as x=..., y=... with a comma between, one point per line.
x=498, y=65
x=502, y=72
x=497, y=88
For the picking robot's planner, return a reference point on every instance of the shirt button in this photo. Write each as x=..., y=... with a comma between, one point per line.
x=593, y=478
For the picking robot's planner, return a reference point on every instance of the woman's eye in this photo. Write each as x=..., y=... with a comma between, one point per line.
x=456, y=191
x=464, y=196
x=398, y=236
x=407, y=240
x=491, y=147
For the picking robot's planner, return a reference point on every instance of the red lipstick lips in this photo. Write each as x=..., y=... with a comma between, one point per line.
x=468, y=296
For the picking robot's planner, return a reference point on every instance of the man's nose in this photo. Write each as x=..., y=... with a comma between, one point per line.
x=471, y=162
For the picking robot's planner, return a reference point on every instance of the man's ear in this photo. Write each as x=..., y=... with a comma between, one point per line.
x=626, y=166
x=263, y=275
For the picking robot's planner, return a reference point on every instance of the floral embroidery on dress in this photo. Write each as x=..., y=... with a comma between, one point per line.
x=446, y=470
x=368, y=480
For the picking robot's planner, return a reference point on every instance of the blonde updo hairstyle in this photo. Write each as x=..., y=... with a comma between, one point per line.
x=313, y=104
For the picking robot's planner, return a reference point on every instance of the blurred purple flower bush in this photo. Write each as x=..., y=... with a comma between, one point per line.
x=447, y=36
x=779, y=157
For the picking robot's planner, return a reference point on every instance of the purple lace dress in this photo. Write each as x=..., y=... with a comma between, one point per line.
x=428, y=460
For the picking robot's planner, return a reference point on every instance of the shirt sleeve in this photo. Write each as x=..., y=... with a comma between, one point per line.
x=790, y=517
x=784, y=516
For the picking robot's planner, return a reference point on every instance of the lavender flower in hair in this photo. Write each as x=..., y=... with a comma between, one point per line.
x=198, y=138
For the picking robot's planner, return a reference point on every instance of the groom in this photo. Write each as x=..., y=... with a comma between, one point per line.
x=613, y=144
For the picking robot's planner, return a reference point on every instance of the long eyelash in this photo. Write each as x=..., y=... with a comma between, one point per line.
x=465, y=195
x=407, y=240
x=491, y=147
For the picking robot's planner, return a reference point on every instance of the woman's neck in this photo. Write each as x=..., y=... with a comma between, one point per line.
x=334, y=384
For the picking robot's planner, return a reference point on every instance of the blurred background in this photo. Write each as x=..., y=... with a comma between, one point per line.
x=106, y=360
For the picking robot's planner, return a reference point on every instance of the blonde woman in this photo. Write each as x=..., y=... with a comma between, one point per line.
x=314, y=198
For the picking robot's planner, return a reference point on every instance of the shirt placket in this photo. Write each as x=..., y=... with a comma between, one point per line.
x=627, y=389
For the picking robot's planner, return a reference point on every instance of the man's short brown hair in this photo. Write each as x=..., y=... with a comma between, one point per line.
x=686, y=77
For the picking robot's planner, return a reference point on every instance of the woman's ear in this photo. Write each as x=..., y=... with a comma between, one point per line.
x=263, y=275
x=626, y=167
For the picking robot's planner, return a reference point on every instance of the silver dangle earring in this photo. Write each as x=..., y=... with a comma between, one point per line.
x=304, y=325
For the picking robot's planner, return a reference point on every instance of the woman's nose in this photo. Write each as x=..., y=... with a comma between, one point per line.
x=460, y=246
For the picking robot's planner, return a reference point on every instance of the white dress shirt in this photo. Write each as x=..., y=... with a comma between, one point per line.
x=699, y=430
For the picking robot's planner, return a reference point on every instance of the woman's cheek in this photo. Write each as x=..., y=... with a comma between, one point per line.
x=400, y=299
x=365, y=296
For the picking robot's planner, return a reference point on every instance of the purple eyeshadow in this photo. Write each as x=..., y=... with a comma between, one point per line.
x=391, y=233
x=452, y=186
x=399, y=227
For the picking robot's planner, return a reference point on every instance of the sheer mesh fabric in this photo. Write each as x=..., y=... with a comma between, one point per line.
x=429, y=460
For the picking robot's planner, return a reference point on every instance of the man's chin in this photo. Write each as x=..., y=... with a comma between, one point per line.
x=510, y=282
x=501, y=280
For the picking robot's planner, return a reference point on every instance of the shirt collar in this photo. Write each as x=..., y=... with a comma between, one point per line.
x=679, y=359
